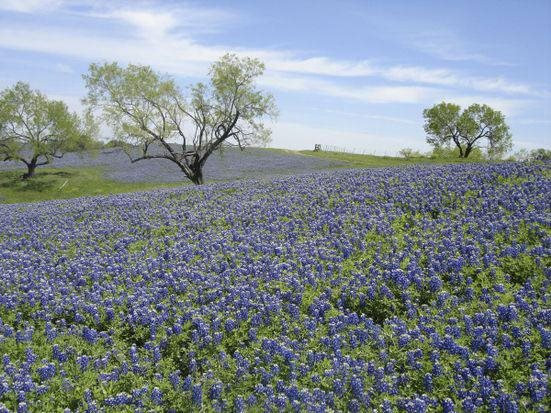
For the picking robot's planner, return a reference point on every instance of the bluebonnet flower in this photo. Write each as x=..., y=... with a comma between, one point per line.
x=427, y=381
x=197, y=395
x=448, y=406
x=121, y=399
x=90, y=335
x=215, y=391
x=354, y=406
x=186, y=385
x=156, y=396
x=83, y=362
x=248, y=286
x=47, y=371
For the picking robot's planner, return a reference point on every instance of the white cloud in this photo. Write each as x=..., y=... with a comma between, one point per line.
x=162, y=37
x=149, y=23
x=321, y=66
x=159, y=21
x=509, y=107
x=30, y=6
x=372, y=94
x=446, y=77
x=188, y=60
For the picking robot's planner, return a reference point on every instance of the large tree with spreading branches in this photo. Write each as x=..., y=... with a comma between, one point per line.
x=156, y=120
x=34, y=129
x=446, y=124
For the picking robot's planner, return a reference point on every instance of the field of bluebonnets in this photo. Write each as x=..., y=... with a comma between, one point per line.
x=414, y=289
x=229, y=164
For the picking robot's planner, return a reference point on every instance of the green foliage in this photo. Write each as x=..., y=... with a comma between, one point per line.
x=133, y=100
x=521, y=268
x=410, y=153
x=453, y=153
x=35, y=129
x=441, y=123
x=540, y=154
x=535, y=155
x=114, y=143
x=445, y=124
x=233, y=89
x=149, y=111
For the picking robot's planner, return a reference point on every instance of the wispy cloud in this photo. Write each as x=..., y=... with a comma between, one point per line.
x=372, y=94
x=446, y=77
x=446, y=45
x=164, y=37
x=30, y=6
x=184, y=19
x=509, y=107
x=374, y=117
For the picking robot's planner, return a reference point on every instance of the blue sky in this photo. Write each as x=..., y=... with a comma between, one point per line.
x=353, y=74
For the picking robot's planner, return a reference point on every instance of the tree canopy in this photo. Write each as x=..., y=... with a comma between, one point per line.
x=35, y=129
x=150, y=112
x=445, y=124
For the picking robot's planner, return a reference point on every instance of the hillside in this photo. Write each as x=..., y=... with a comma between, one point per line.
x=416, y=289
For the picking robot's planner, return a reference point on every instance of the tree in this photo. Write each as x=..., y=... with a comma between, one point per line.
x=35, y=130
x=149, y=112
x=445, y=123
x=410, y=153
x=540, y=154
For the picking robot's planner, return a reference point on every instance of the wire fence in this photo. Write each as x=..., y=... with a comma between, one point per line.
x=340, y=149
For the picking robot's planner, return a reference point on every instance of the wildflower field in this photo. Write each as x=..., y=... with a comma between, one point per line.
x=229, y=164
x=423, y=288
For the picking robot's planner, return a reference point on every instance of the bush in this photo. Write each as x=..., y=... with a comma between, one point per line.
x=540, y=154
x=114, y=143
x=410, y=153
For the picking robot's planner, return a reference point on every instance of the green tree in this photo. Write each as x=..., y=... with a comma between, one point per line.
x=446, y=124
x=149, y=111
x=409, y=153
x=35, y=130
x=540, y=154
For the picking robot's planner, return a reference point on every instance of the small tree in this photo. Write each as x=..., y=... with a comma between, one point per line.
x=445, y=123
x=409, y=153
x=148, y=111
x=540, y=154
x=35, y=130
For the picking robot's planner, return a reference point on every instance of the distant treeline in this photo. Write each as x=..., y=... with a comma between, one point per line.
x=540, y=154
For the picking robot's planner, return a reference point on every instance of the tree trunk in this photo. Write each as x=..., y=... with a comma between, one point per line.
x=468, y=150
x=31, y=167
x=197, y=177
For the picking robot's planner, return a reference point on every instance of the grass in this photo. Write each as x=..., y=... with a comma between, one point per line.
x=55, y=183
x=366, y=161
